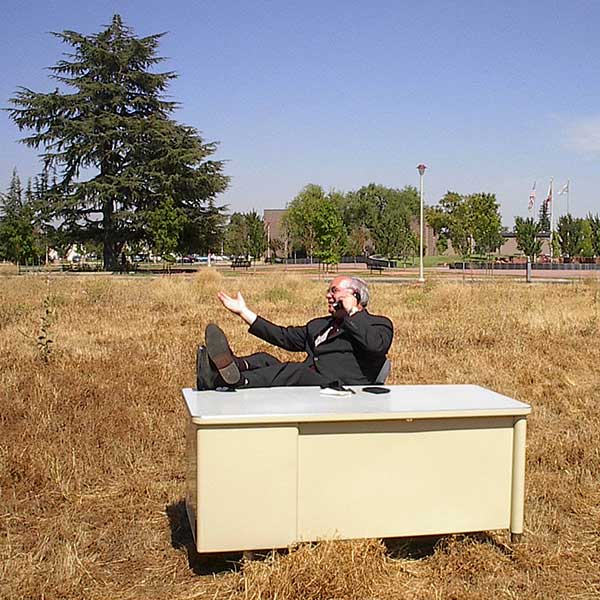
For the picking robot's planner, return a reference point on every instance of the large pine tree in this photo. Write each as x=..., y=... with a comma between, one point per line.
x=118, y=153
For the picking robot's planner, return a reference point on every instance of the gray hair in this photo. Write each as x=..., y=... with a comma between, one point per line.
x=360, y=285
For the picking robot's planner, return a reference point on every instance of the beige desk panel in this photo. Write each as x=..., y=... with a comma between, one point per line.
x=396, y=479
x=272, y=467
x=247, y=488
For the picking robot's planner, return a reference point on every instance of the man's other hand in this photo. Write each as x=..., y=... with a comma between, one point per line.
x=348, y=305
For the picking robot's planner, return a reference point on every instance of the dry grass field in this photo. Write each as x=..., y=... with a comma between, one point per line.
x=92, y=446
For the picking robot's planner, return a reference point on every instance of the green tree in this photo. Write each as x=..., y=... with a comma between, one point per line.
x=14, y=193
x=246, y=235
x=392, y=233
x=359, y=241
x=236, y=235
x=381, y=216
x=256, y=235
x=554, y=245
x=330, y=233
x=408, y=244
x=299, y=219
x=470, y=223
x=393, y=236
x=166, y=224
x=451, y=220
x=587, y=245
x=544, y=217
x=485, y=222
x=204, y=230
x=115, y=124
x=594, y=222
x=360, y=212
x=528, y=241
x=19, y=237
x=569, y=232
x=313, y=221
x=44, y=198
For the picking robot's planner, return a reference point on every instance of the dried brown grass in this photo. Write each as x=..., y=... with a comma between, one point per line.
x=330, y=569
x=92, y=449
x=8, y=268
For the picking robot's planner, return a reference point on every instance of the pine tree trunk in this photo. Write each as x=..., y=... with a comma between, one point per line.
x=108, y=252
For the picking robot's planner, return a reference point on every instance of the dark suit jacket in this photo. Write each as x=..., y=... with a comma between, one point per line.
x=353, y=355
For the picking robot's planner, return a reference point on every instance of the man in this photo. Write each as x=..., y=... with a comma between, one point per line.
x=347, y=347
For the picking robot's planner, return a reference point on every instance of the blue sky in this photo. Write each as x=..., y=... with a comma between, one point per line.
x=489, y=95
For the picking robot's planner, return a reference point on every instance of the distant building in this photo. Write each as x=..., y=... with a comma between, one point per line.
x=509, y=248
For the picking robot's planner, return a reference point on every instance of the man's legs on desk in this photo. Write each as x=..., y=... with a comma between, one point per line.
x=257, y=360
x=281, y=375
x=217, y=366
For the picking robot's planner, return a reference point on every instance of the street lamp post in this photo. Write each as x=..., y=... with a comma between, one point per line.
x=421, y=168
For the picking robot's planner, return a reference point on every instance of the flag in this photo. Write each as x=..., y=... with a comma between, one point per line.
x=532, y=197
x=549, y=197
x=564, y=189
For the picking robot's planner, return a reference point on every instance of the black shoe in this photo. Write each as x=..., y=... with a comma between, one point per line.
x=207, y=375
x=220, y=355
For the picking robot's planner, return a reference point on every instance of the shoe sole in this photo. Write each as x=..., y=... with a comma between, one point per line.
x=220, y=354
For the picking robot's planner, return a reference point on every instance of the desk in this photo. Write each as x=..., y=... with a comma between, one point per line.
x=273, y=466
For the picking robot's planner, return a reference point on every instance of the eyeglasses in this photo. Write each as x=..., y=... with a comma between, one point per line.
x=335, y=290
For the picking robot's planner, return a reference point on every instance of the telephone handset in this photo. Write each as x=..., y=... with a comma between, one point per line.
x=340, y=305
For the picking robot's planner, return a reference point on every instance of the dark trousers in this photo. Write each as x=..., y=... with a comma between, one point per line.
x=263, y=370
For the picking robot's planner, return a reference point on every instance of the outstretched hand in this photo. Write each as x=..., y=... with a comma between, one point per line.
x=235, y=305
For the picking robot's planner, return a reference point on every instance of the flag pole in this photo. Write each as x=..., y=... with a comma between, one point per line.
x=531, y=205
x=551, y=196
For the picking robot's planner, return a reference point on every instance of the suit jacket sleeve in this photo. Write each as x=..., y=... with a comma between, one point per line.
x=372, y=333
x=288, y=338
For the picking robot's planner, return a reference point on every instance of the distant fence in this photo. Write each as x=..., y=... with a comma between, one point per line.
x=316, y=261
x=368, y=260
x=523, y=266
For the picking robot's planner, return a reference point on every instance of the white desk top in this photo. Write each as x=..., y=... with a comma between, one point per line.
x=305, y=404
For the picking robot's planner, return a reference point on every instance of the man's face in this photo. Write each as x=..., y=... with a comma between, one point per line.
x=338, y=288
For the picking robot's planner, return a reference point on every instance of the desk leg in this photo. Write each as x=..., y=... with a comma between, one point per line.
x=518, y=479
